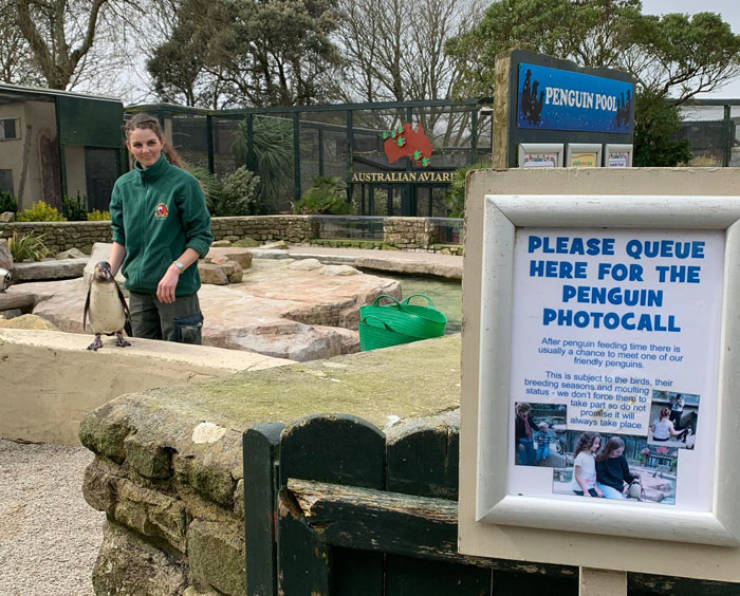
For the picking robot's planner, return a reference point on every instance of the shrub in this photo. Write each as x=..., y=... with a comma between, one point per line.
x=327, y=195
x=210, y=184
x=75, y=209
x=454, y=200
x=27, y=246
x=98, y=215
x=7, y=202
x=238, y=194
x=40, y=212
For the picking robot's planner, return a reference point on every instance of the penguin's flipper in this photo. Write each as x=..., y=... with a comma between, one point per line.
x=87, y=307
x=126, y=312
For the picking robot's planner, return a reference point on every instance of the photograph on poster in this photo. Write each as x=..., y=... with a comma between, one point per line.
x=621, y=328
x=616, y=467
x=584, y=160
x=540, y=160
x=674, y=418
x=538, y=431
x=618, y=159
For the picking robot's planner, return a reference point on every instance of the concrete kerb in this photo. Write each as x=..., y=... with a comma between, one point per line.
x=51, y=381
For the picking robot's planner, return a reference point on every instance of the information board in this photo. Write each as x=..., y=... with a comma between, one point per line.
x=614, y=357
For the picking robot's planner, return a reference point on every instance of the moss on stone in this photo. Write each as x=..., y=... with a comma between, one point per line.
x=418, y=379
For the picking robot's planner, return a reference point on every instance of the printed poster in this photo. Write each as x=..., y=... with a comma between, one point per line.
x=615, y=354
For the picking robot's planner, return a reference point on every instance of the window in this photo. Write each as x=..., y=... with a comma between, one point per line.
x=9, y=129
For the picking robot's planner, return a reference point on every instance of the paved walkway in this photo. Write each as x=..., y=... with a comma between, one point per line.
x=396, y=261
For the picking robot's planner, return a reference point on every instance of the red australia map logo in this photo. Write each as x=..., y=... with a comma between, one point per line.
x=404, y=141
x=160, y=211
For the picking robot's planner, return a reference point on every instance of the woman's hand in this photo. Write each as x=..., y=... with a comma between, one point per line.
x=168, y=284
x=598, y=492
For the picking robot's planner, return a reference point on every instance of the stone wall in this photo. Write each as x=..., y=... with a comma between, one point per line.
x=62, y=235
x=168, y=468
x=405, y=233
x=291, y=228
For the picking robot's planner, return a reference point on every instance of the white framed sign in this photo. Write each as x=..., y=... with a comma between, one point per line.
x=583, y=155
x=605, y=346
x=617, y=156
x=540, y=155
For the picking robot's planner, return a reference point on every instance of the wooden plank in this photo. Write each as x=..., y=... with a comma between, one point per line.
x=15, y=300
x=329, y=448
x=259, y=446
x=641, y=584
x=383, y=521
x=406, y=575
x=524, y=583
x=424, y=461
x=304, y=562
x=342, y=449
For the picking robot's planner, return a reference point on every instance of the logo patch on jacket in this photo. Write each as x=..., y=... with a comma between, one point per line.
x=160, y=211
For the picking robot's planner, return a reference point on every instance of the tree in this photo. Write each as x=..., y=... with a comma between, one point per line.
x=16, y=65
x=257, y=52
x=393, y=50
x=670, y=55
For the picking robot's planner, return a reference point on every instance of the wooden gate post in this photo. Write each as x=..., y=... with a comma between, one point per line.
x=331, y=449
x=260, y=445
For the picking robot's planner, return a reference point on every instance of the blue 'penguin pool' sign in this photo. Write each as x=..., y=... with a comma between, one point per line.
x=555, y=99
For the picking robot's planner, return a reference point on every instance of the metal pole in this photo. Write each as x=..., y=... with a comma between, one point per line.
x=250, y=157
x=474, y=136
x=209, y=133
x=297, y=156
x=727, y=152
x=321, y=152
x=350, y=164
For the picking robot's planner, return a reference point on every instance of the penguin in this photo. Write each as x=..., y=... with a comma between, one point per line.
x=107, y=308
x=6, y=278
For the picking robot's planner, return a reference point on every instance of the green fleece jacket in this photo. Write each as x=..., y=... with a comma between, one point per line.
x=156, y=213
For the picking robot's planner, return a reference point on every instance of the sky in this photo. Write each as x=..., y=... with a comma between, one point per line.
x=730, y=13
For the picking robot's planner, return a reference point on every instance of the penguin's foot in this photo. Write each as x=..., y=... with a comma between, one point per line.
x=120, y=342
x=98, y=343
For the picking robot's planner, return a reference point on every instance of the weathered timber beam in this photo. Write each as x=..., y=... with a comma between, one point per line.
x=383, y=521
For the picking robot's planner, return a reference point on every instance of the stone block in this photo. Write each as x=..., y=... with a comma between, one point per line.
x=212, y=273
x=128, y=565
x=148, y=458
x=216, y=556
x=49, y=270
x=149, y=512
x=6, y=259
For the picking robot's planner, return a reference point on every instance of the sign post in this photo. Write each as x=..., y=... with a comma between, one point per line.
x=601, y=372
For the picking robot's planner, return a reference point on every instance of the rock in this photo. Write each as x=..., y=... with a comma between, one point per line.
x=239, y=255
x=275, y=310
x=218, y=259
x=7, y=217
x=211, y=273
x=72, y=253
x=218, y=243
x=6, y=259
x=338, y=270
x=48, y=270
x=306, y=265
x=234, y=271
x=216, y=556
x=245, y=242
x=231, y=239
x=128, y=565
x=207, y=432
x=27, y=322
x=6, y=315
x=279, y=245
x=100, y=252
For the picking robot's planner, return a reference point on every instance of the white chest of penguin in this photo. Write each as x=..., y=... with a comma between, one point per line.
x=106, y=311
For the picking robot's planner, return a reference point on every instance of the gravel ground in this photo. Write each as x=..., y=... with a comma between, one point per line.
x=49, y=535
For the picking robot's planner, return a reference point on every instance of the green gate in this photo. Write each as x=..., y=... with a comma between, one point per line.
x=334, y=506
